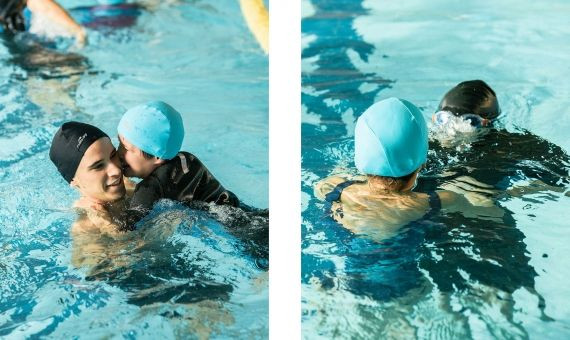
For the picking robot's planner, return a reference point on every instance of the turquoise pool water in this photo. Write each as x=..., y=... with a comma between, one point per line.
x=456, y=277
x=183, y=275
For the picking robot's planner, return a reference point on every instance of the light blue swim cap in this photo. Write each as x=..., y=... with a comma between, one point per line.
x=155, y=128
x=390, y=139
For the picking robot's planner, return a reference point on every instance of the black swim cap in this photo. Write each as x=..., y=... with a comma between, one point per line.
x=69, y=145
x=11, y=16
x=472, y=96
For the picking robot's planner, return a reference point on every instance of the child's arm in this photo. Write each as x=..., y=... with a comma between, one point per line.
x=57, y=14
x=145, y=194
x=533, y=187
x=202, y=184
x=471, y=198
x=477, y=193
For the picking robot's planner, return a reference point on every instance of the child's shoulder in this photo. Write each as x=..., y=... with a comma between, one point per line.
x=188, y=162
x=186, y=154
x=328, y=184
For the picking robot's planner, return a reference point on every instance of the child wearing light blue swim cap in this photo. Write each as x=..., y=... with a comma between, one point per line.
x=391, y=145
x=150, y=138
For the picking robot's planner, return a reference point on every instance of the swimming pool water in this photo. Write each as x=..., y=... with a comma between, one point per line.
x=184, y=275
x=456, y=277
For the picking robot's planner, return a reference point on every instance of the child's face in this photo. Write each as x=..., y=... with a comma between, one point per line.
x=134, y=162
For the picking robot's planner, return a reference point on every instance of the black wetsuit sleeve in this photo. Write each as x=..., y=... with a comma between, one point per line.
x=145, y=195
x=200, y=185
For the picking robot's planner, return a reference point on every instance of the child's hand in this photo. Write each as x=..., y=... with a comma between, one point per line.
x=129, y=185
x=532, y=187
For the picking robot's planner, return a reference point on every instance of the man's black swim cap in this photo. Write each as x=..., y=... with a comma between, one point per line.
x=69, y=145
x=472, y=96
x=11, y=16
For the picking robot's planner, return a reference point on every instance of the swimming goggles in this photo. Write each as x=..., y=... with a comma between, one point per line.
x=442, y=117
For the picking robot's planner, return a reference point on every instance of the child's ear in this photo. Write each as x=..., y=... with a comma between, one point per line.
x=74, y=183
x=158, y=161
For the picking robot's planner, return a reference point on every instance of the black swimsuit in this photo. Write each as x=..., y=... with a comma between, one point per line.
x=334, y=196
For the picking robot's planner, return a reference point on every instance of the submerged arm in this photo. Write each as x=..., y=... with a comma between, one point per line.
x=533, y=187
x=470, y=197
x=94, y=216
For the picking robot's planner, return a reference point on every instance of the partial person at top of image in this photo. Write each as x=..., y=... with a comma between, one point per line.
x=391, y=146
x=28, y=30
x=468, y=113
x=13, y=17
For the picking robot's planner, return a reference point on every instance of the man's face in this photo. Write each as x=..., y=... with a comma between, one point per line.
x=135, y=164
x=99, y=174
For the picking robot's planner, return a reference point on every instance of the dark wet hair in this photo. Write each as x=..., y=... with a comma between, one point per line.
x=472, y=96
x=395, y=182
x=11, y=17
x=147, y=155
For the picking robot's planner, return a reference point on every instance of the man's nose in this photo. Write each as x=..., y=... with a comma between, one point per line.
x=114, y=168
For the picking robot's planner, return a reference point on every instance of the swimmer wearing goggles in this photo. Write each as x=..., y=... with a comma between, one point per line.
x=473, y=101
x=443, y=117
